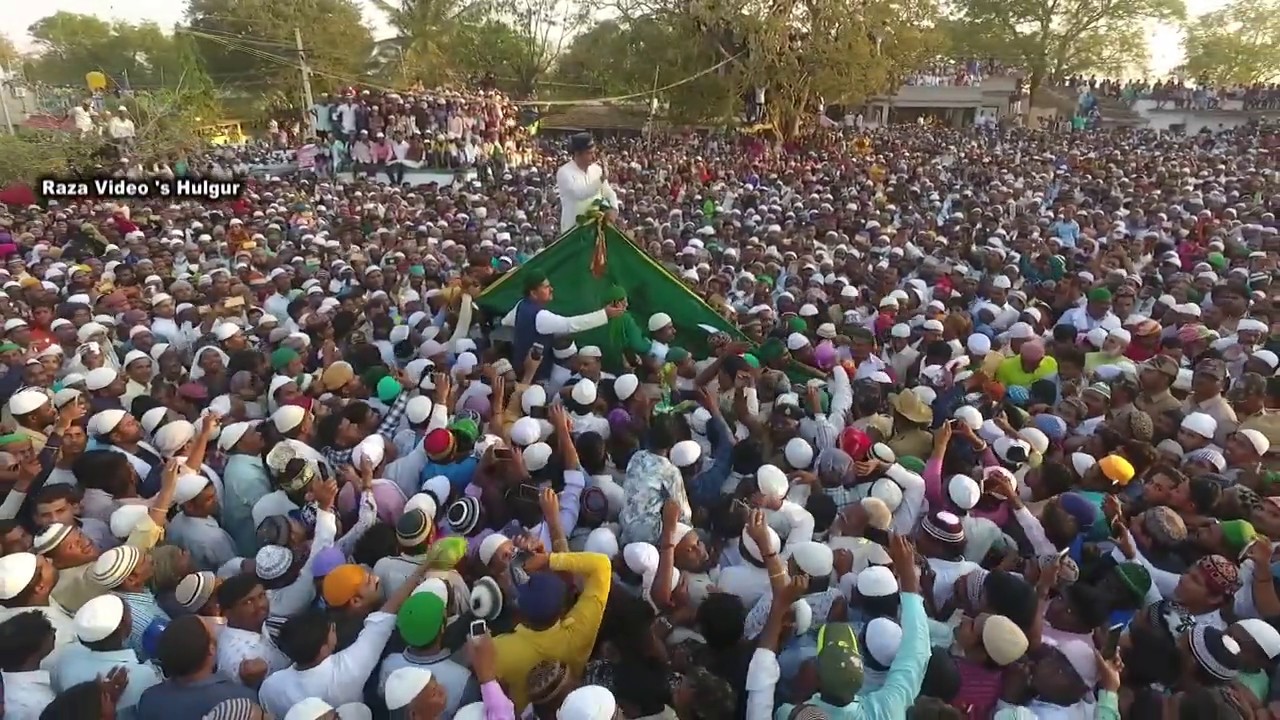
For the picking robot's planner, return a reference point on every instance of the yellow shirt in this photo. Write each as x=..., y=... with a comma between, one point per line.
x=1010, y=371
x=570, y=641
x=74, y=588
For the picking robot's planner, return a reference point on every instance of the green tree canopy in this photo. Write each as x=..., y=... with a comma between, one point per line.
x=1238, y=43
x=1054, y=39
x=250, y=43
x=69, y=45
x=428, y=35
x=9, y=55
x=801, y=52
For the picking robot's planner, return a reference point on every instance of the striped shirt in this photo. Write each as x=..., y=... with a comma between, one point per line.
x=143, y=609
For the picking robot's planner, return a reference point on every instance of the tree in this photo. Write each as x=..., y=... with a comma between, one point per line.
x=541, y=31
x=428, y=31
x=69, y=45
x=1238, y=43
x=621, y=57
x=1055, y=39
x=251, y=44
x=802, y=53
x=10, y=58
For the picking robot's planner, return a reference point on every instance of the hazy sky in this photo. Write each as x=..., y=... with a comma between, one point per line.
x=1165, y=43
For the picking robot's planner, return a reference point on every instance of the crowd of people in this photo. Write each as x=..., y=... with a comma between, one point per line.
x=993, y=434
x=373, y=133
x=1176, y=93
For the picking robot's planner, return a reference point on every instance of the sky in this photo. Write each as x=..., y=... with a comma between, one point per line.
x=1165, y=41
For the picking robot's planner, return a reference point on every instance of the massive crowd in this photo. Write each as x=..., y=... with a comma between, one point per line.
x=264, y=457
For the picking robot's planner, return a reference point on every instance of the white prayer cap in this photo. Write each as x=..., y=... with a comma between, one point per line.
x=771, y=481
x=1263, y=633
x=901, y=331
x=1020, y=331
x=963, y=491
x=89, y=329
x=796, y=341
x=27, y=401
x=16, y=573
x=814, y=558
x=601, y=540
x=536, y=456
x=104, y=422
x=404, y=684
x=171, y=438
x=489, y=547
x=399, y=334
x=418, y=409
x=525, y=431
x=1259, y=441
x=1201, y=424
x=61, y=398
x=685, y=453
x=969, y=415
x=534, y=396
x=798, y=453
x=657, y=321
x=640, y=557
x=754, y=550
x=888, y=492
x=231, y=435
x=1035, y=438
x=99, y=378
x=125, y=518
x=373, y=448
x=421, y=501
x=288, y=417
x=625, y=386
x=883, y=637
x=189, y=487
x=435, y=586
x=439, y=487
x=584, y=392
x=877, y=581
x=98, y=618
x=589, y=702
x=590, y=351
x=312, y=708
x=225, y=331
x=474, y=711
x=152, y=418
x=1081, y=462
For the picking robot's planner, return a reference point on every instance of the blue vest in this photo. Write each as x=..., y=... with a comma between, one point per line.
x=527, y=334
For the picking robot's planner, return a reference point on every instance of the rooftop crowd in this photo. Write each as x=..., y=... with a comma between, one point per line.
x=265, y=458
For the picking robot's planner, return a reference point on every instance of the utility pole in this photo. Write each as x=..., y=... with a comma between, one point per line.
x=307, y=121
x=6, y=92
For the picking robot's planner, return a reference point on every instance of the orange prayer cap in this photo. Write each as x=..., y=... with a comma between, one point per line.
x=342, y=584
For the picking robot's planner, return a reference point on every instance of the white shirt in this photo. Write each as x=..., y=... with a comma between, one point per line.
x=236, y=645
x=83, y=119
x=120, y=128
x=338, y=679
x=579, y=188
x=275, y=502
x=588, y=423
x=746, y=581
x=27, y=694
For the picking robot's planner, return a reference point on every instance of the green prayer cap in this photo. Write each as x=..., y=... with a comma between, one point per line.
x=12, y=438
x=281, y=358
x=752, y=360
x=1136, y=577
x=912, y=463
x=420, y=619
x=765, y=279
x=466, y=427
x=533, y=278
x=614, y=294
x=771, y=350
x=1217, y=260
x=417, y=270
x=8, y=347
x=797, y=324
x=388, y=389
x=677, y=354
x=1100, y=295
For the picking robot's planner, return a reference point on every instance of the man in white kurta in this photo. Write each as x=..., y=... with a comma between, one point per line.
x=582, y=181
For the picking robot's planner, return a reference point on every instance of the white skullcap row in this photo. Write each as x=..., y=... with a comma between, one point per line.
x=97, y=619
x=173, y=437
x=771, y=481
x=814, y=559
x=798, y=453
